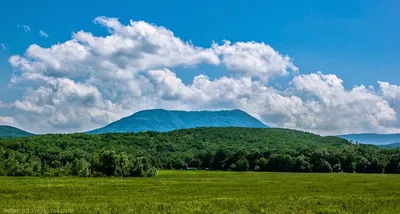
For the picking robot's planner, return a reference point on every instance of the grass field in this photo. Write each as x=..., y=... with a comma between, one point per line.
x=204, y=192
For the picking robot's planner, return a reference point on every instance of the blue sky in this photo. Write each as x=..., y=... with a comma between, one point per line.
x=357, y=41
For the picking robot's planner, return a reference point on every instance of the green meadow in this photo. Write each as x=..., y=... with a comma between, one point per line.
x=204, y=192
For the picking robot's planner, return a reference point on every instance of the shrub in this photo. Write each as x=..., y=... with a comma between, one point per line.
x=337, y=168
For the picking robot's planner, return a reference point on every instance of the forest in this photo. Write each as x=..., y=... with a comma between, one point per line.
x=236, y=149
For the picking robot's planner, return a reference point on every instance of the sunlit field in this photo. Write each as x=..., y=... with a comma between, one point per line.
x=204, y=192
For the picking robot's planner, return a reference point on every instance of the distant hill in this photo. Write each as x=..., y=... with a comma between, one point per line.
x=390, y=146
x=10, y=132
x=160, y=120
x=375, y=139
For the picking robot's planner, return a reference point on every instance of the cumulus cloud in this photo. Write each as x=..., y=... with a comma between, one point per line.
x=63, y=104
x=315, y=102
x=360, y=109
x=391, y=93
x=254, y=59
x=43, y=34
x=89, y=81
x=26, y=28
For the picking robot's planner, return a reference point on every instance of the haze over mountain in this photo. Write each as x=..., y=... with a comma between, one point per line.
x=371, y=138
x=160, y=120
x=9, y=131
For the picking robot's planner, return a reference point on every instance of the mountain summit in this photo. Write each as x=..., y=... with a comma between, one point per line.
x=160, y=120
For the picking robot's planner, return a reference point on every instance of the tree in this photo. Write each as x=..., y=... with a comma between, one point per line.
x=220, y=159
x=280, y=163
x=322, y=166
x=123, y=165
x=108, y=162
x=363, y=165
x=301, y=164
x=377, y=166
x=242, y=164
x=262, y=163
x=319, y=161
x=319, y=156
x=80, y=168
x=141, y=167
x=348, y=163
x=14, y=164
x=394, y=164
x=337, y=168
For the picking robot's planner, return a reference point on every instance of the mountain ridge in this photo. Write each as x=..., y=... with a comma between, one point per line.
x=389, y=146
x=161, y=120
x=11, y=132
x=372, y=138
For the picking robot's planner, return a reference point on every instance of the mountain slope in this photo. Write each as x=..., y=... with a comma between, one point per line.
x=9, y=132
x=375, y=139
x=160, y=120
x=390, y=146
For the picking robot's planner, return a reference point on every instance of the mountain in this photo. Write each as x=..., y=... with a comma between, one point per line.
x=10, y=132
x=160, y=120
x=375, y=139
x=390, y=146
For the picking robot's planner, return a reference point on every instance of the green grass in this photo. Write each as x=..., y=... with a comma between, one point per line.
x=204, y=192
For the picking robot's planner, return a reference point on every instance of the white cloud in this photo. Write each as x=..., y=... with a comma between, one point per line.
x=336, y=109
x=129, y=49
x=26, y=28
x=392, y=94
x=89, y=81
x=63, y=104
x=315, y=102
x=43, y=34
x=254, y=59
x=7, y=121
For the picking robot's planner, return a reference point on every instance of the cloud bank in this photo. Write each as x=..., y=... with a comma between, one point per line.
x=89, y=81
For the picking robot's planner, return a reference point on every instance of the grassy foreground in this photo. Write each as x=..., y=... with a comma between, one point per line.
x=204, y=192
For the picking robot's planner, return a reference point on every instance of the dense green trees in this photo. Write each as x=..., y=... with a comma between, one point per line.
x=238, y=149
x=105, y=163
x=393, y=165
x=301, y=164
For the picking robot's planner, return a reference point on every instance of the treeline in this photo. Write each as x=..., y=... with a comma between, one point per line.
x=347, y=159
x=238, y=149
x=105, y=163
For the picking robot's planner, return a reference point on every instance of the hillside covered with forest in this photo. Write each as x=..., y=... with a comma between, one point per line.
x=11, y=132
x=238, y=149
